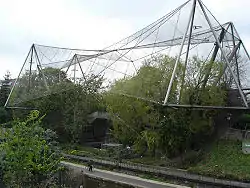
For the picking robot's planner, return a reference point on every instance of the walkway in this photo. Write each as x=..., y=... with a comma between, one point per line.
x=123, y=178
x=168, y=172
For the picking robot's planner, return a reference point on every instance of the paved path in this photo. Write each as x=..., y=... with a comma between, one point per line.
x=169, y=172
x=123, y=178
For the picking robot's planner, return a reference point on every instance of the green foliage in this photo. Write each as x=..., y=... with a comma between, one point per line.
x=174, y=132
x=148, y=139
x=150, y=128
x=28, y=153
x=35, y=85
x=67, y=104
x=129, y=117
x=164, y=162
x=225, y=160
x=150, y=81
x=4, y=92
x=5, y=115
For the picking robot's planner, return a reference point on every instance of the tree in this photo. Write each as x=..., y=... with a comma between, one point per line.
x=129, y=117
x=5, y=89
x=137, y=121
x=28, y=154
x=5, y=115
x=68, y=105
x=36, y=84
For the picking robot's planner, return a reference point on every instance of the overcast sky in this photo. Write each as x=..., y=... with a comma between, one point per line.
x=91, y=23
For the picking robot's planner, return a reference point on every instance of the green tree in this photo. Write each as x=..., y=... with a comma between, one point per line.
x=5, y=89
x=139, y=121
x=68, y=105
x=36, y=84
x=129, y=117
x=5, y=115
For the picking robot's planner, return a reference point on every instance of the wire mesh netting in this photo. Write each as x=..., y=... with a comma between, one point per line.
x=142, y=64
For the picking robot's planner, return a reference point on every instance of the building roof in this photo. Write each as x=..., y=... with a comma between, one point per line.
x=98, y=115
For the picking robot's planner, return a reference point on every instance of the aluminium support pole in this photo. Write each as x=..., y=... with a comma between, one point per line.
x=224, y=55
x=187, y=53
x=179, y=55
x=242, y=42
x=222, y=35
x=40, y=69
x=31, y=59
x=238, y=36
x=12, y=88
x=246, y=51
x=59, y=76
x=236, y=60
x=81, y=68
x=230, y=58
x=69, y=64
x=74, y=70
x=211, y=62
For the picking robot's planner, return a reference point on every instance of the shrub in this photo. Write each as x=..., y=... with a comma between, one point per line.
x=29, y=153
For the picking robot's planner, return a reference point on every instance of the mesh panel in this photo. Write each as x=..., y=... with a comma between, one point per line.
x=143, y=63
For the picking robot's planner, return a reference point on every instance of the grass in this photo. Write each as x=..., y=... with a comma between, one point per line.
x=105, y=154
x=152, y=161
x=88, y=152
x=225, y=160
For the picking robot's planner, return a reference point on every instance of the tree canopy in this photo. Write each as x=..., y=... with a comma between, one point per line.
x=144, y=124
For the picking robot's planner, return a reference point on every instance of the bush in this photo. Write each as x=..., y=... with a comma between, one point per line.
x=29, y=154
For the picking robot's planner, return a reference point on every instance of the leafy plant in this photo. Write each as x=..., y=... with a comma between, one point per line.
x=28, y=153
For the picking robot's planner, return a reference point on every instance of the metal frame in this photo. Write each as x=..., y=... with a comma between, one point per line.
x=12, y=88
x=31, y=59
x=179, y=55
x=74, y=59
x=71, y=60
x=21, y=108
x=40, y=68
x=224, y=55
x=241, y=41
x=230, y=58
x=176, y=106
x=214, y=55
x=187, y=52
x=189, y=28
x=83, y=75
x=206, y=107
x=236, y=60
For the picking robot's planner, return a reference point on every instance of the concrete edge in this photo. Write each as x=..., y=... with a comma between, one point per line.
x=123, y=175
